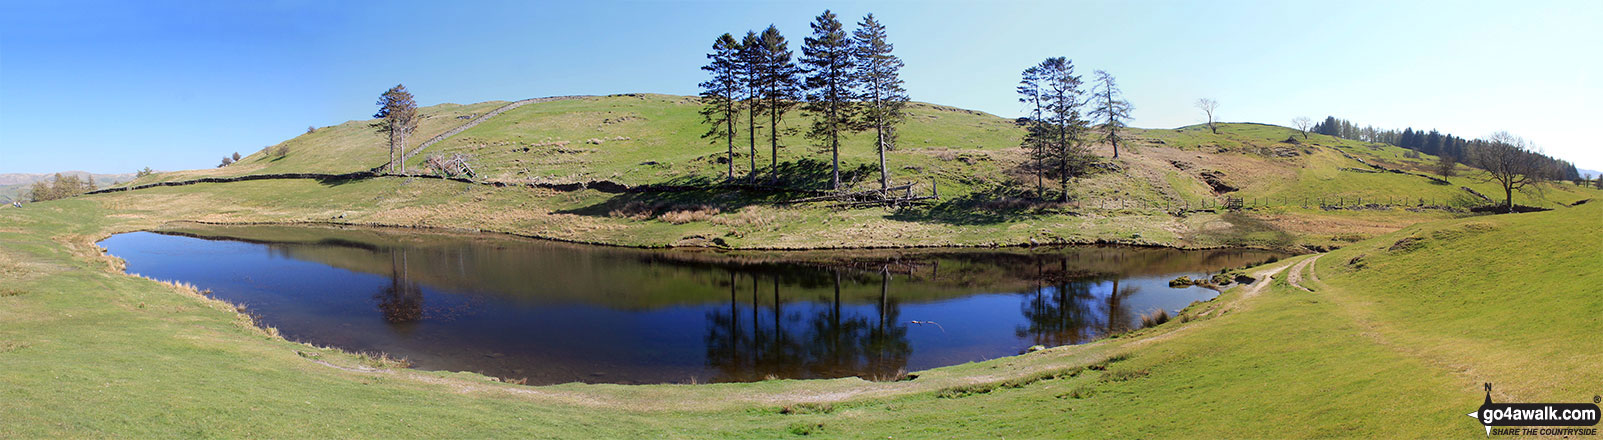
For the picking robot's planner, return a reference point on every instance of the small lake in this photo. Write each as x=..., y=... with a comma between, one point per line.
x=553, y=312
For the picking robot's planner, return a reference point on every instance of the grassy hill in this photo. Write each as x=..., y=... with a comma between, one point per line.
x=348, y=147
x=971, y=157
x=1392, y=338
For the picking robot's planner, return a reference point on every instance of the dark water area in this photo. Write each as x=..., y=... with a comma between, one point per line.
x=554, y=313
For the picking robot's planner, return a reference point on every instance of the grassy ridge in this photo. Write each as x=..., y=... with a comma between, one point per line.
x=348, y=147
x=972, y=157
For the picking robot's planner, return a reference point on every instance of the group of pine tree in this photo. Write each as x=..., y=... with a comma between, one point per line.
x=1449, y=148
x=848, y=82
x=1059, y=126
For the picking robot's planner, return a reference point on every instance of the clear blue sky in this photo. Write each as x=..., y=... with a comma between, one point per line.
x=115, y=86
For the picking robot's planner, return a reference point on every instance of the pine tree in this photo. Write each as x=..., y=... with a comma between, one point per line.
x=879, y=73
x=751, y=59
x=720, y=95
x=1036, y=130
x=779, y=86
x=1062, y=110
x=831, y=92
x=1328, y=127
x=1110, y=109
x=397, y=117
x=1445, y=165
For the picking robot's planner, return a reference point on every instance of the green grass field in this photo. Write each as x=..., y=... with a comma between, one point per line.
x=1393, y=336
x=1395, y=340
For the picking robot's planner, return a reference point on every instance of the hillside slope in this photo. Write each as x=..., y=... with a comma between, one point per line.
x=971, y=158
x=347, y=147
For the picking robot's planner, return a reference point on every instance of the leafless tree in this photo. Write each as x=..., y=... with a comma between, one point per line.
x=1208, y=106
x=1509, y=161
x=1303, y=123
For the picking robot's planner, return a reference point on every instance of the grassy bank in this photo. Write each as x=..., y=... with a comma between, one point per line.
x=1394, y=340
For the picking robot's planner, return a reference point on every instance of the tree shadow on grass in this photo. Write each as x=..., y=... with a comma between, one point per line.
x=788, y=181
x=334, y=182
x=999, y=204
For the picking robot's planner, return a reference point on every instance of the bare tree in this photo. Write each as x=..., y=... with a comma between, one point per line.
x=1509, y=161
x=1109, y=109
x=1303, y=123
x=1208, y=106
x=397, y=116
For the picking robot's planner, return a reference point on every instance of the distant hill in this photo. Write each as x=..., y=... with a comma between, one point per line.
x=14, y=186
x=1587, y=172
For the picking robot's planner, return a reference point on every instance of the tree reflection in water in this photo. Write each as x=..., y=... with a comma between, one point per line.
x=556, y=312
x=1064, y=309
x=401, y=302
x=827, y=341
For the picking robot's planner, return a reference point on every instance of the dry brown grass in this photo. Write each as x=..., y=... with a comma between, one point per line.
x=699, y=213
x=669, y=212
x=753, y=217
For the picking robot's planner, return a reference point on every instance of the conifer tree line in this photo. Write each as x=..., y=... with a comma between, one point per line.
x=1062, y=120
x=846, y=82
x=1435, y=143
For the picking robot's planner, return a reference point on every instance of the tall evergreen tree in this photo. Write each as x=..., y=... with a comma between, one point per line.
x=720, y=95
x=1035, y=127
x=779, y=84
x=1445, y=165
x=1062, y=110
x=397, y=118
x=879, y=73
x=831, y=93
x=1109, y=109
x=751, y=60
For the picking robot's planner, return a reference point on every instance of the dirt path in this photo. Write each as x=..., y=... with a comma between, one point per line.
x=476, y=121
x=1295, y=276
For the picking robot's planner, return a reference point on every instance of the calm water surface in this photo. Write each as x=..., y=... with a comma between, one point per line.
x=555, y=313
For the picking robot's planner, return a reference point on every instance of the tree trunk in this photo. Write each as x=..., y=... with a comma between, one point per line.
x=1040, y=179
x=731, y=139
x=751, y=136
x=884, y=175
x=773, y=131
x=1063, y=162
x=1508, y=193
x=834, y=142
x=402, y=158
x=1113, y=136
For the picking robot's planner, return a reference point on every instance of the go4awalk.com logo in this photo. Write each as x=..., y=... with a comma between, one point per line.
x=1544, y=419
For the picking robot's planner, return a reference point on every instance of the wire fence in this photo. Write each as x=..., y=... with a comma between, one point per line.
x=1240, y=203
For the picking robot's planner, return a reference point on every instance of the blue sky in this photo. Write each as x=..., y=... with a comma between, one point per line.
x=116, y=86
